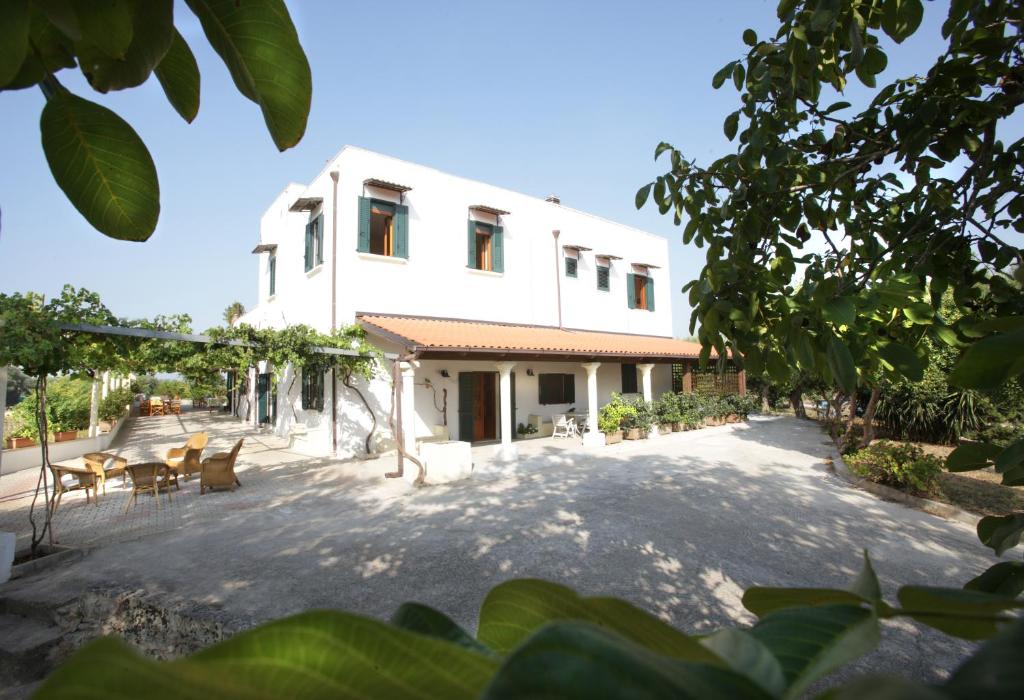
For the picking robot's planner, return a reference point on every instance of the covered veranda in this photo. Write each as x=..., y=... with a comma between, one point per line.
x=447, y=357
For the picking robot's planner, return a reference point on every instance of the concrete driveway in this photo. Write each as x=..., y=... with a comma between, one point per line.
x=678, y=525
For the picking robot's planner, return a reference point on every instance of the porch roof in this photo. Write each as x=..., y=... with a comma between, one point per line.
x=462, y=339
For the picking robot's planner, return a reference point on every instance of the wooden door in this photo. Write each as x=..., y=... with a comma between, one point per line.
x=478, y=406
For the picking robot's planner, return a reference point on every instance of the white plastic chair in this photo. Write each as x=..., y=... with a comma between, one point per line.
x=562, y=426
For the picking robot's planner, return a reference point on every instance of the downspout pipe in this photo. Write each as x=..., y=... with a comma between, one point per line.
x=558, y=276
x=334, y=307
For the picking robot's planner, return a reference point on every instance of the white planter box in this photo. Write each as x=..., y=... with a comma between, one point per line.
x=449, y=460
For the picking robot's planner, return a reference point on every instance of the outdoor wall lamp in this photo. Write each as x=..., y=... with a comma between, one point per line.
x=529, y=373
x=444, y=373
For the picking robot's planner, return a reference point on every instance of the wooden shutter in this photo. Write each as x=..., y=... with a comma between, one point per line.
x=472, y=244
x=308, y=257
x=320, y=239
x=401, y=231
x=467, y=394
x=497, y=249
x=363, y=240
x=631, y=290
x=569, y=388
x=650, y=294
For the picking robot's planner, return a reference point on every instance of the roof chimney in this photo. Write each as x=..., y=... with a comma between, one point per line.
x=553, y=199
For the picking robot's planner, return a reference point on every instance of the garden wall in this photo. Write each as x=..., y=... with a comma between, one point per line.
x=29, y=457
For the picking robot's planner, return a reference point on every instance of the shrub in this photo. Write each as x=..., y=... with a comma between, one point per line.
x=526, y=429
x=113, y=407
x=69, y=401
x=666, y=409
x=170, y=387
x=900, y=465
x=615, y=415
x=22, y=421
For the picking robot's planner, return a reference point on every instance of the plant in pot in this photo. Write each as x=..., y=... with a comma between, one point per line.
x=644, y=421
x=613, y=417
x=666, y=412
x=23, y=431
x=692, y=419
x=69, y=401
x=525, y=429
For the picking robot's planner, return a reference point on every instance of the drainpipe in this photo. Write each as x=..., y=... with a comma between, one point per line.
x=334, y=308
x=558, y=277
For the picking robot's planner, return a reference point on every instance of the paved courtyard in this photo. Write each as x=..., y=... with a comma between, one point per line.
x=679, y=525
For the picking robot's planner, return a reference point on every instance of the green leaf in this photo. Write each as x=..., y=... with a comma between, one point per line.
x=1005, y=578
x=720, y=77
x=105, y=24
x=259, y=45
x=738, y=74
x=317, y=654
x=874, y=61
x=903, y=360
x=102, y=166
x=840, y=362
x=840, y=311
x=1011, y=457
x=920, y=313
x=570, y=660
x=994, y=672
x=971, y=456
x=178, y=74
x=13, y=38
x=433, y=623
x=804, y=351
x=748, y=657
x=763, y=600
x=878, y=686
x=642, y=194
x=749, y=37
x=812, y=642
x=732, y=123
x=866, y=584
x=1001, y=532
x=51, y=51
x=515, y=609
x=966, y=614
x=152, y=33
x=901, y=18
x=990, y=362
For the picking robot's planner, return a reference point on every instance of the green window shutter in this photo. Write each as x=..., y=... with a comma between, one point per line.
x=273, y=275
x=363, y=244
x=498, y=249
x=571, y=265
x=320, y=239
x=650, y=294
x=570, y=388
x=602, y=278
x=467, y=391
x=631, y=290
x=472, y=244
x=401, y=231
x=308, y=257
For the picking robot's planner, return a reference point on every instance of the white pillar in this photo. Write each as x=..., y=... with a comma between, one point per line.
x=3, y=410
x=505, y=451
x=592, y=437
x=645, y=378
x=106, y=385
x=94, y=407
x=409, y=406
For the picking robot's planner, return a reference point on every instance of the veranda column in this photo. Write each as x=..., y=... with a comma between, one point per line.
x=409, y=406
x=645, y=378
x=505, y=451
x=106, y=385
x=592, y=437
x=94, y=407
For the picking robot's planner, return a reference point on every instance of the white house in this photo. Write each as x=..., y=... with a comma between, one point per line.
x=504, y=309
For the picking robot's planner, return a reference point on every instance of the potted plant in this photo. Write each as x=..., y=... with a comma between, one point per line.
x=23, y=430
x=60, y=435
x=666, y=412
x=613, y=417
x=525, y=429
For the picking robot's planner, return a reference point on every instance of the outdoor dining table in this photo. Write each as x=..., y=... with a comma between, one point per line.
x=87, y=479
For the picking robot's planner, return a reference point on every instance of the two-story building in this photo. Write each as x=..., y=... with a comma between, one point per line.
x=504, y=309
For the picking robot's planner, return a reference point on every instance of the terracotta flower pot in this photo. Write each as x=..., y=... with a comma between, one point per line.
x=612, y=438
x=65, y=435
x=633, y=434
x=676, y=427
x=664, y=428
x=15, y=443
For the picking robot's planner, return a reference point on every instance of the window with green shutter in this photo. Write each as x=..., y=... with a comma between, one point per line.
x=307, y=257
x=556, y=388
x=272, y=273
x=640, y=292
x=603, y=278
x=318, y=238
x=485, y=247
x=571, y=265
x=312, y=390
x=383, y=228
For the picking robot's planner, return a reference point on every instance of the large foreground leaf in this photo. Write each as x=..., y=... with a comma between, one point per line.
x=995, y=672
x=762, y=600
x=317, y=654
x=748, y=657
x=812, y=642
x=102, y=166
x=968, y=614
x=1001, y=532
x=516, y=609
x=434, y=623
x=1005, y=578
x=13, y=38
x=988, y=363
x=258, y=43
x=570, y=660
x=971, y=456
x=152, y=25
x=178, y=74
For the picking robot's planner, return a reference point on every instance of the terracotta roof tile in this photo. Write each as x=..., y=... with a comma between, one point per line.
x=427, y=335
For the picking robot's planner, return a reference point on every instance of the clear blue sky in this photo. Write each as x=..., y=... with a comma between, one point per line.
x=544, y=98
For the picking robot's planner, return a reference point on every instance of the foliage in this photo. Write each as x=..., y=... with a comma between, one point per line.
x=526, y=429
x=97, y=159
x=642, y=415
x=22, y=421
x=666, y=409
x=113, y=406
x=69, y=400
x=144, y=384
x=902, y=466
x=234, y=311
x=541, y=639
x=615, y=415
x=171, y=387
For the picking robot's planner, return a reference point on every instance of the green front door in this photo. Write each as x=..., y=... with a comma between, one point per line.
x=263, y=398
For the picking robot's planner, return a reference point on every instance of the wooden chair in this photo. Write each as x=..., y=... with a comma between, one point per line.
x=148, y=477
x=84, y=480
x=144, y=407
x=174, y=407
x=106, y=466
x=156, y=407
x=219, y=470
x=186, y=460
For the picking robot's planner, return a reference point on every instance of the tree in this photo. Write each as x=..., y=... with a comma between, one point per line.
x=96, y=157
x=233, y=312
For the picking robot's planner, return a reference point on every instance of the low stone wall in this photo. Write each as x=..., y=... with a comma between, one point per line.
x=28, y=457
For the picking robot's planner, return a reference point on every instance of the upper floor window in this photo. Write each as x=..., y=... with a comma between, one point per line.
x=571, y=266
x=486, y=247
x=312, y=390
x=272, y=273
x=640, y=291
x=603, y=277
x=556, y=388
x=383, y=228
x=314, y=243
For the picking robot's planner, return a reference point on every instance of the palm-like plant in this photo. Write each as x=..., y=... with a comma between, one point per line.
x=234, y=312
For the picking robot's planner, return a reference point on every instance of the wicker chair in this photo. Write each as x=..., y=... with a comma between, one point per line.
x=106, y=466
x=186, y=460
x=83, y=480
x=219, y=470
x=148, y=477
